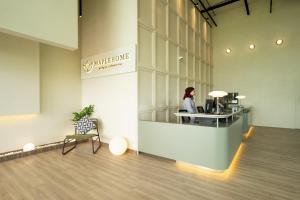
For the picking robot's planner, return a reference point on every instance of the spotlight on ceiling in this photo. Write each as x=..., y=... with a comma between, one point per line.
x=228, y=50
x=80, y=8
x=252, y=46
x=279, y=42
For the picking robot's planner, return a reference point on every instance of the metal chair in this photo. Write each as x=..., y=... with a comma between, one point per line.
x=184, y=120
x=80, y=136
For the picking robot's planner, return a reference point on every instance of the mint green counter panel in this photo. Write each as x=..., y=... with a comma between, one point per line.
x=246, y=119
x=245, y=122
x=205, y=146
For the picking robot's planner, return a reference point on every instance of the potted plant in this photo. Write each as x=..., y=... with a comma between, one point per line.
x=86, y=111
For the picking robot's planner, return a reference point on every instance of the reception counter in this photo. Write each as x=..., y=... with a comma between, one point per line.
x=217, y=117
x=207, y=146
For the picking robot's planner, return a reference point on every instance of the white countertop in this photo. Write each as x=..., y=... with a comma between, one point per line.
x=205, y=115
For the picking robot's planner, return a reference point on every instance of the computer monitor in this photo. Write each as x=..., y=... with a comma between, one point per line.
x=209, y=104
x=200, y=109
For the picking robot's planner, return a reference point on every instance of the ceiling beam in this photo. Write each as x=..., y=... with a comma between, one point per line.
x=271, y=6
x=208, y=4
x=196, y=6
x=219, y=5
x=205, y=10
x=247, y=7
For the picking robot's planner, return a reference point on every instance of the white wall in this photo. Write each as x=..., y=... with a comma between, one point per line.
x=19, y=75
x=52, y=22
x=269, y=75
x=107, y=25
x=60, y=96
x=167, y=31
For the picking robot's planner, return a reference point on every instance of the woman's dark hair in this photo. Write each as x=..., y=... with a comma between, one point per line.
x=188, y=92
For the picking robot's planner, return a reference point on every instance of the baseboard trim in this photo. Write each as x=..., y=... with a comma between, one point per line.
x=11, y=155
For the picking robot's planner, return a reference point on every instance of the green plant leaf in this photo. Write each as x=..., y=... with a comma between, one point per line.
x=88, y=110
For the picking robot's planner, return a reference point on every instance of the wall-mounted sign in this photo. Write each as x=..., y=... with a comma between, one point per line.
x=118, y=61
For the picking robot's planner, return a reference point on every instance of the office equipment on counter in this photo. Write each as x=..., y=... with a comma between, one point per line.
x=218, y=94
x=200, y=109
x=230, y=100
x=209, y=105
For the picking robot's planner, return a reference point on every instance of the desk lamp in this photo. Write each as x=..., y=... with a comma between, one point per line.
x=217, y=94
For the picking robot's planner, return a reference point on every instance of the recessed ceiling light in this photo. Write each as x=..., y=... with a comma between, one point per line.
x=252, y=46
x=228, y=50
x=279, y=42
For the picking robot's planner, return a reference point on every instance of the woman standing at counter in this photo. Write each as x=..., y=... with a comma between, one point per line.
x=188, y=100
x=189, y=103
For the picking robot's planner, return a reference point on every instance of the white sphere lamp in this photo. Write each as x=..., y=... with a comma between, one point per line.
x=28, y=147
x=118, y=146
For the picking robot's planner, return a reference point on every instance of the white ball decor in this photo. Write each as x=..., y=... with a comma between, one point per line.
x=28, y=147
x=118, y=146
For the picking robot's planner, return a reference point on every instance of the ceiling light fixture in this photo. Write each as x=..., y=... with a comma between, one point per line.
x=279, y=42
x=252, y=46
x=228, y=50
x=80, y=8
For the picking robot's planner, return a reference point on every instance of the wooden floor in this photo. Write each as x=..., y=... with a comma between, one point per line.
x=268, y=168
